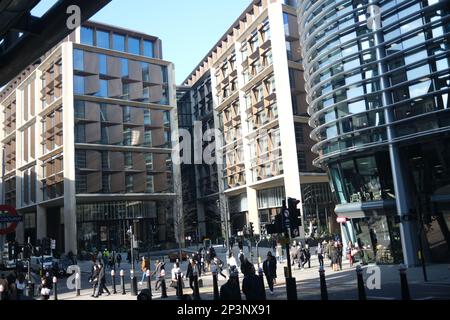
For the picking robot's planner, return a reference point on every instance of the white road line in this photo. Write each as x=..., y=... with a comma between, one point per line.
x=381, y=298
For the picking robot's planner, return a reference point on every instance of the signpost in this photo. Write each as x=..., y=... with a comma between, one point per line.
x=8, y=215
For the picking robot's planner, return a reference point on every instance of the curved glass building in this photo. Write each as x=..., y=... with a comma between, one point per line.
x=377, y=81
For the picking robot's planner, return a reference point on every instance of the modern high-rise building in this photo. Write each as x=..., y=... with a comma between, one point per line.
x=250, y=89
x=86, y=138
x=377, y=81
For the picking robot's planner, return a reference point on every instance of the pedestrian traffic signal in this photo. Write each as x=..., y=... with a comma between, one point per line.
x=294, y=213
x=251, y=229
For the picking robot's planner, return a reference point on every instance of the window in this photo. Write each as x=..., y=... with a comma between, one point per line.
x=124, y=67
x=147, y=117
x=148, y=49
x=128, y=160
x=105, y=160
x=134, y=45
x=80, y=134
x=102, y=64
x=149, y=161
x=127, y=137
x=103, y=91
x=103, y=39
x=78, y=59
x=119, y=42
x=126, y=114
x=301, y=157
x=79, y=109
x=80, y=159
x=148, y=138
x=149, y=183
x=129, y=183
x=87, y=36
x=106, y=183
x=78, y=85
x=299, y=137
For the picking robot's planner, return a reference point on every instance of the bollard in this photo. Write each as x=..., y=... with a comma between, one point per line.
x=404, y=283
x=55, y=290
x=149, y=284
x=261, y=278
x=113, y=278
x=323, y=284
x=162, y=278
x=180, y=285
x=133, y=283
x=1, y=292
x=196, y=289
x=215, y=285
x=77, y=284
x=122, y=280
x=361, y=287
x=291, y=288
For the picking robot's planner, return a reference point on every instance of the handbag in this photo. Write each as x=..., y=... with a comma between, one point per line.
x=174, y=284
x=354, y=252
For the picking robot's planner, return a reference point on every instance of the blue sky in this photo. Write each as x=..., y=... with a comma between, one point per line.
x=187, y=28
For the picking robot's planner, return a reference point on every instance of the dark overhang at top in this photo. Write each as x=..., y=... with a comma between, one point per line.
x=25, y=38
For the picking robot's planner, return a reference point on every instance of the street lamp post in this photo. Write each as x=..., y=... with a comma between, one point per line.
x=132, y=273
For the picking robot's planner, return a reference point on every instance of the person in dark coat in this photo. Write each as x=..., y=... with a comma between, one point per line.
x=230, y=290
x=270, y=270
x=94, y=280
x=190, y=273
x=119, y=260
x=252, y=285
x=102, y=280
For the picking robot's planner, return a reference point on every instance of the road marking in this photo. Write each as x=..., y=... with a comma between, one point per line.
x=381, y=298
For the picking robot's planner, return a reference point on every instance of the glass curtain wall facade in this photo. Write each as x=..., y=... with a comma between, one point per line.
x=378, y=95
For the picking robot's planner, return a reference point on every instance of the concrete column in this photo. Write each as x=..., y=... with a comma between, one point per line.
x=253, y=214
x=285, y=114
x=41, y=222
x=201, y=219
x=70, y=219
x=178, y=213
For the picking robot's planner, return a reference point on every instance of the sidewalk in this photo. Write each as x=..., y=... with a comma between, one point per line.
x=341, y=284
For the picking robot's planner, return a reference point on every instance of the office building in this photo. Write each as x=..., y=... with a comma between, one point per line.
x=86, y=138
x=377, y=81
x=250, y=89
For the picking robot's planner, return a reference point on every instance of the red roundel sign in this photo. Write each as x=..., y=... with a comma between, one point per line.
x=10, y=217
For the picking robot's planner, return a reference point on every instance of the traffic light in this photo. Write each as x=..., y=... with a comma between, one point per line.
x=46, y=246
x=251, y=229
x=294, y=213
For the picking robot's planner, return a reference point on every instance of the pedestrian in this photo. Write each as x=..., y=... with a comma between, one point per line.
x=159, y=266
x=119, y=260
x=191, y=273
x=252, y=286
x=329, y=250
x=320, y=251
x=230, y=290
x=279, y=253
x=20, y=286
x=350, y=249
x=45, y=288
x=219, y=265
x=111, y=261
x=241, y=258
x=339, y=254
x=270, y=270
x=334, y=256
x=308, y=255
x=94, y=280
x=145, y=265
x=4, y=283
x=102, y=280
x=105, y=257
x=175, y=271
x=231, y=261
x=99, y=256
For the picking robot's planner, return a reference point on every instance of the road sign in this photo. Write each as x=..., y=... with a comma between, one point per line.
x=10, y=217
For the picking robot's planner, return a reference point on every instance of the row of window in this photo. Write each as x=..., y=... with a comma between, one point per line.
x=116, y=41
